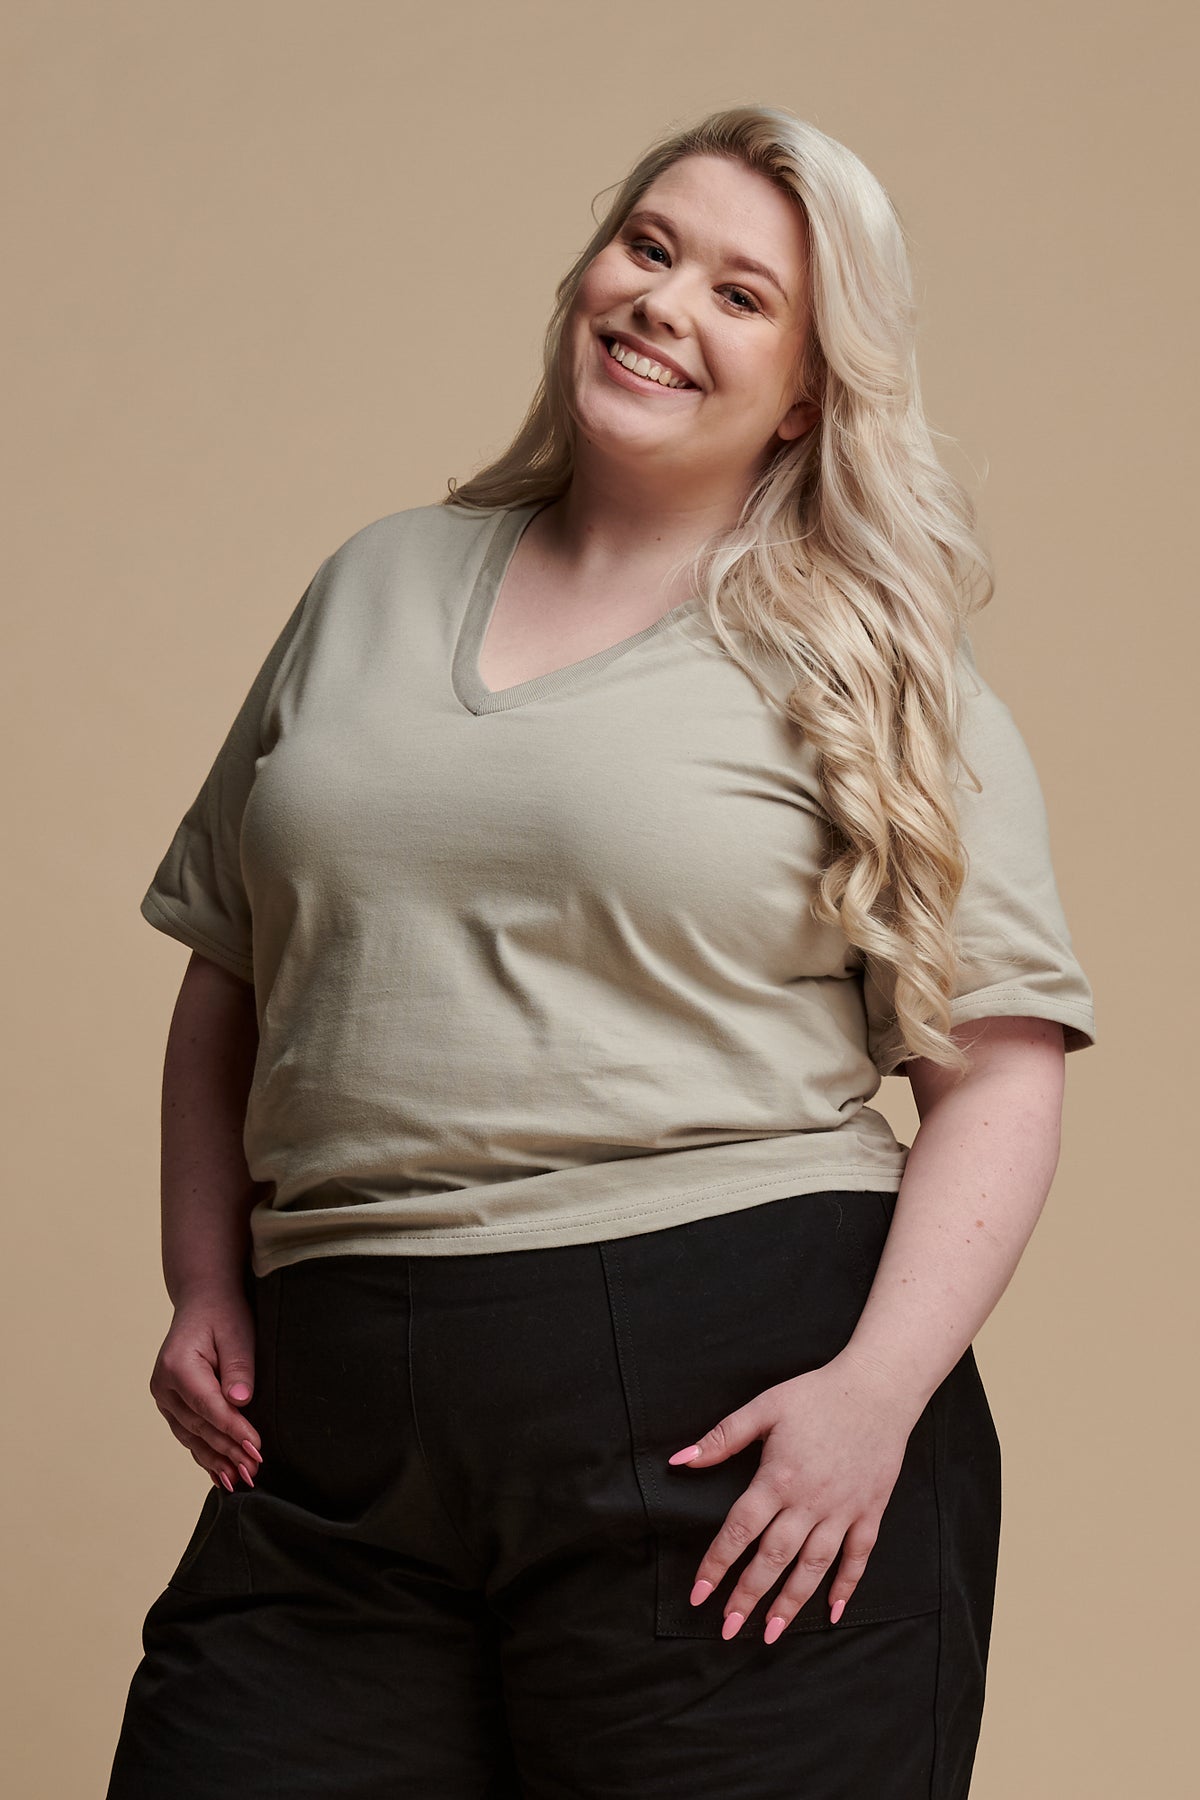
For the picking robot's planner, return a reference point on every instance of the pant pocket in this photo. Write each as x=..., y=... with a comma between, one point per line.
x=707, y=1315
x=215, y=1561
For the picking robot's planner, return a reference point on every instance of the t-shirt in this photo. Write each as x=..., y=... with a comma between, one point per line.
x=538, y=966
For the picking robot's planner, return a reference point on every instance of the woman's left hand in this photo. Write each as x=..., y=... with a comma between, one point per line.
x=833, y=1443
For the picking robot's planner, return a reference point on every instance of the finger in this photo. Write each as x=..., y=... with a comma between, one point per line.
x=182, y=1408
x=811, y=1566
x=202, y=1395
x=217, y=1468
x=750, y=1514
x=791, y=1534
x=228, y=1419
x=233, y=1456
x=727, y=1437
x=194, y=1382
x=860, y=1541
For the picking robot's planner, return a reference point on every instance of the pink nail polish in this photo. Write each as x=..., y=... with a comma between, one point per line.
x=774, y=1627
x=733, y=1625
x=244, y=1472
x=225, y=1481
x=249, y=1448
x=836, y=1611
x=686, y=1456
x=700, y=1592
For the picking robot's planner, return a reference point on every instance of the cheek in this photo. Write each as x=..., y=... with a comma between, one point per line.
x=751, y=379
x=601, y=284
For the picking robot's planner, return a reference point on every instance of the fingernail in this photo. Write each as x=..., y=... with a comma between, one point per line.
x=700, y=1592
x=239, y=1391
x=774, y=1627
x=733, y=1625
x=836, y=1611
x=244, y=1472
x=225, y=1481
x=688, y=1455
x=248, y=1446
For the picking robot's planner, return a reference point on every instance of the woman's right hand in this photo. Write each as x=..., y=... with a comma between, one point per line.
x=205, y=1365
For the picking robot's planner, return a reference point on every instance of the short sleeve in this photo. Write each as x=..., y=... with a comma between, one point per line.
x=198, y=895
x=1016, y=956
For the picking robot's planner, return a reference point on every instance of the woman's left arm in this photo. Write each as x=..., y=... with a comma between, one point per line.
x=975, y=1180
x=974, y=1184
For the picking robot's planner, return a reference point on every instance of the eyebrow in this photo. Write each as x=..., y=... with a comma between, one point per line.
x=734, y=258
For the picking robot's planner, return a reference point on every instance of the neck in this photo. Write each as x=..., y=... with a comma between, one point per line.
x=611, y=521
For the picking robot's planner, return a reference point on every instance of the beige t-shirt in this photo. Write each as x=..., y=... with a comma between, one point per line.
x=538, y=966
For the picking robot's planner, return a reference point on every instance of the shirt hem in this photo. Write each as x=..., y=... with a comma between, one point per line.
x=276, y=1248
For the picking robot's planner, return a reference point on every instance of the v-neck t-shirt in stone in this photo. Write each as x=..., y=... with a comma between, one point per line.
x=538, y=966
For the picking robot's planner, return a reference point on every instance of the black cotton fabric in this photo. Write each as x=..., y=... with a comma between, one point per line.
x=464, y=1568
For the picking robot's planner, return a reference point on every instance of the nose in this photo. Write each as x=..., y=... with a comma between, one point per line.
x=664, y=305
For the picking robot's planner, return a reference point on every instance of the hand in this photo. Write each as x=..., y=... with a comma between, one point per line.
x=210, y=1346
x=833, y=1445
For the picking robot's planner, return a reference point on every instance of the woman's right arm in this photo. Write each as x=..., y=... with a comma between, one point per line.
x=205, y=1367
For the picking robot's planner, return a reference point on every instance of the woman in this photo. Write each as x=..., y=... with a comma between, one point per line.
x=585, y=1367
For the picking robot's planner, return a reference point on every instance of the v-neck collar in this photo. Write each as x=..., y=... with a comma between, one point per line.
x=481, y=603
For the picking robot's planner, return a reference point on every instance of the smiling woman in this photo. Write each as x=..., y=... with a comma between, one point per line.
x=587, y=849
x=671, y=269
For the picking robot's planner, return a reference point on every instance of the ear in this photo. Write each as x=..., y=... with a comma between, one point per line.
x=798, y=419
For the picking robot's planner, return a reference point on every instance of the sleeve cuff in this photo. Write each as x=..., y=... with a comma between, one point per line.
x=165, y=917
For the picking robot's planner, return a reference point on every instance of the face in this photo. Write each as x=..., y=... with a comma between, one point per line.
x=679, y=282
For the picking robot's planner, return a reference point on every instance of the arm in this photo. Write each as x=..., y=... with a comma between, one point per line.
x=976, y=1179
x=834, y=1438
x=204, y=1371
x=207, y=1192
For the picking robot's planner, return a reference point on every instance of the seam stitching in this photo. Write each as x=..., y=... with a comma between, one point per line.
x=412, y=1399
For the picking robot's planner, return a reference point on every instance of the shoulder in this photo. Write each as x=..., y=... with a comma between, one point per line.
x=433, y=534
x=998, y=780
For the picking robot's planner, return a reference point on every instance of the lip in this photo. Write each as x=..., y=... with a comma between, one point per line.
x=647, y=350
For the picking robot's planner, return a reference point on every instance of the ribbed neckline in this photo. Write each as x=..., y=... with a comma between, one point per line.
x=481, y=602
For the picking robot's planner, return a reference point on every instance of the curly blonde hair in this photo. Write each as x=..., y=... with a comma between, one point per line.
x=854, y=559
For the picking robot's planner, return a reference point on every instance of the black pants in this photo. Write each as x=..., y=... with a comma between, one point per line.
x=464, y=1569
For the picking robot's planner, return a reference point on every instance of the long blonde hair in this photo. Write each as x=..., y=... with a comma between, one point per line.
x=854, y=559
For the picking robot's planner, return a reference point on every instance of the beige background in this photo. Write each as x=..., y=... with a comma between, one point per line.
x=279, y=269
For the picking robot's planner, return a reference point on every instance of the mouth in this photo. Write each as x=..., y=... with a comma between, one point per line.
x=640, y=368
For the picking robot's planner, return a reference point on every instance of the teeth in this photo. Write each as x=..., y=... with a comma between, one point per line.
x=641, y=365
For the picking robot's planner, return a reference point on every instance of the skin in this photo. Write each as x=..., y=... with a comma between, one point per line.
x=657, y=471
x=655, y=474
x=976, y=1179
x=207, y=1356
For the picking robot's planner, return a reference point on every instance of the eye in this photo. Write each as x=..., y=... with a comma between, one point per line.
x=641, y=246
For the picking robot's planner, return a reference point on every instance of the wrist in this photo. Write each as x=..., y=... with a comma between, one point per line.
x=882, y=1380
x=206, y=1286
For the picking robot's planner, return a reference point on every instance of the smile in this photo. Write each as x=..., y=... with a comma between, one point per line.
x=644, y=368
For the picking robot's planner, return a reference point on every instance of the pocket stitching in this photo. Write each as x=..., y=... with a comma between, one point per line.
x=846, y=1223
x=630, y=1383
x=635, y=1412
